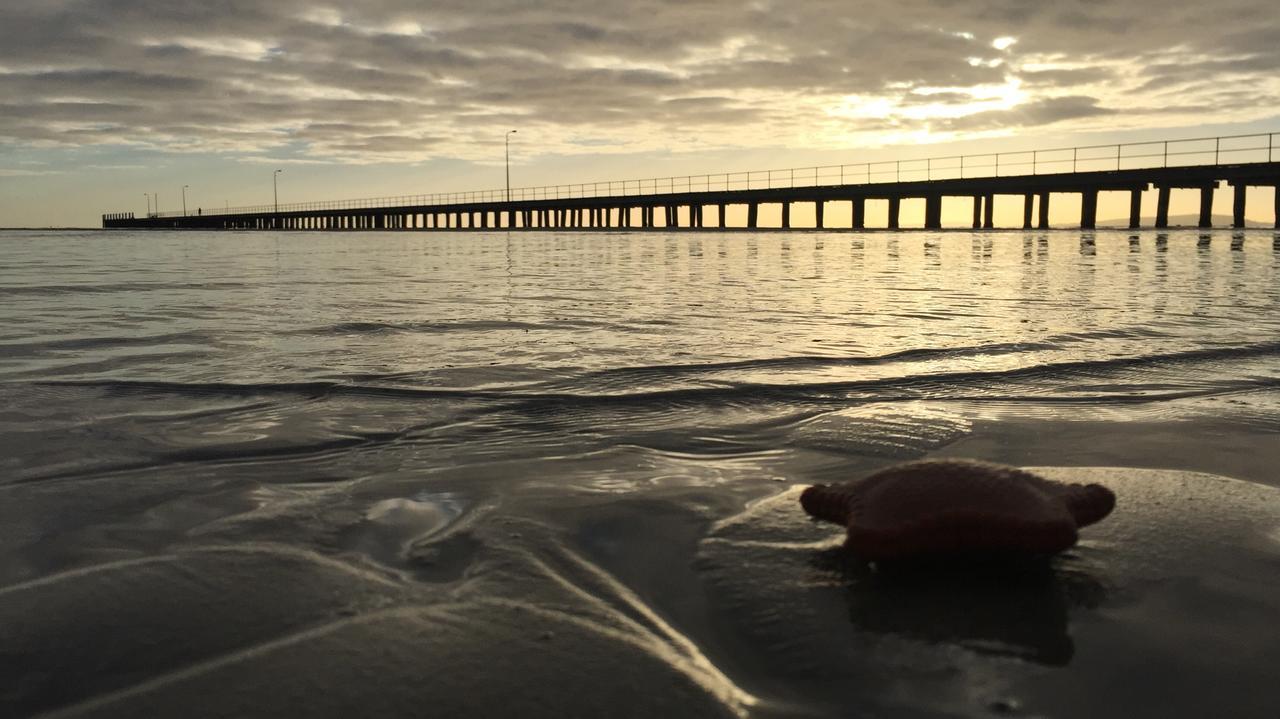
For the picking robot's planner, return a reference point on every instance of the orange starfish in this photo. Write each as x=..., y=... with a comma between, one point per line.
x=938, y=508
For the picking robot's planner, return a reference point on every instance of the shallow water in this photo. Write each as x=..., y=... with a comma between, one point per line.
x=389, y=400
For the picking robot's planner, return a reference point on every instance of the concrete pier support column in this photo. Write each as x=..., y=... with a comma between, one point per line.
x=1089, y=209
x=933, y=212
x=720, y=216
x=819, y=209
x=977, y=212
x=895, y=210
x=858, y=213
x=1276, y=209
x=1238, y=204
x=1162, y=208
x=1135, y=209
x=1044, y=211
x=673, y=216
x=1028, y=203
x=989, y=211
x=786, y=215
x=753, y=215
x=1206, y=207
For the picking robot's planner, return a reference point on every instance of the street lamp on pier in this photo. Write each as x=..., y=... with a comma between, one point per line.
x=275, y=189
x=507, y=142
x=148, y=196
x=184, y=200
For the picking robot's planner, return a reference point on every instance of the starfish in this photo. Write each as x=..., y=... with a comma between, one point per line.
x=952, y=507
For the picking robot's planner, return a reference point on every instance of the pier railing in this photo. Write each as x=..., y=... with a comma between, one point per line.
x=1224, y=150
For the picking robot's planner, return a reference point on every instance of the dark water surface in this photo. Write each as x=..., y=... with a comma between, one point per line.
x=243, y=459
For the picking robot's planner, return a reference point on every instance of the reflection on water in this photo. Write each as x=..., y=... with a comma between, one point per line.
x=1000, y=609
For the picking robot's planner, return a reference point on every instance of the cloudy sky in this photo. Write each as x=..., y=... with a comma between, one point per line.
x=104, y=100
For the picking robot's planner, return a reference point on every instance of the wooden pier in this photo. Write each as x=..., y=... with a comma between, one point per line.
x=1237, y=163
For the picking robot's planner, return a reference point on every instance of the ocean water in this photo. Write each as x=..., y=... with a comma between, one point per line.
x=186, y=418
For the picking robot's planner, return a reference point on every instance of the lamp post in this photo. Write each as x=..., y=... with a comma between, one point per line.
x=275, y=189
x=184, y=200
x=148, y=196
x=507, y=142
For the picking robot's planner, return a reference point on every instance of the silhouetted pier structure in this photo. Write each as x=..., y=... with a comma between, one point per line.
x=1203, y=165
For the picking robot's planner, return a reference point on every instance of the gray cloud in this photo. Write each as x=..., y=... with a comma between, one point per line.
x=392, y=78
x=1036, y=113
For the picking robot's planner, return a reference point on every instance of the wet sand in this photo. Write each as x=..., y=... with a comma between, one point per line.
x=664, y=606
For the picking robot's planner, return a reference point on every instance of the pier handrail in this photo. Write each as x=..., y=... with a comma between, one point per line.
x=1225, y=149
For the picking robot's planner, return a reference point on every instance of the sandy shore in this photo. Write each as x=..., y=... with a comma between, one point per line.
x=661, y=607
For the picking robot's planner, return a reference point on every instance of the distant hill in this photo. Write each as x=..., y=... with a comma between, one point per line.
x=1219, y=221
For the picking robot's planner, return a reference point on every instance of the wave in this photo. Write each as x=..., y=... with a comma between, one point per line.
x=1149, y=377
x=350, y=328
x=80, y=344
x=74, y=289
